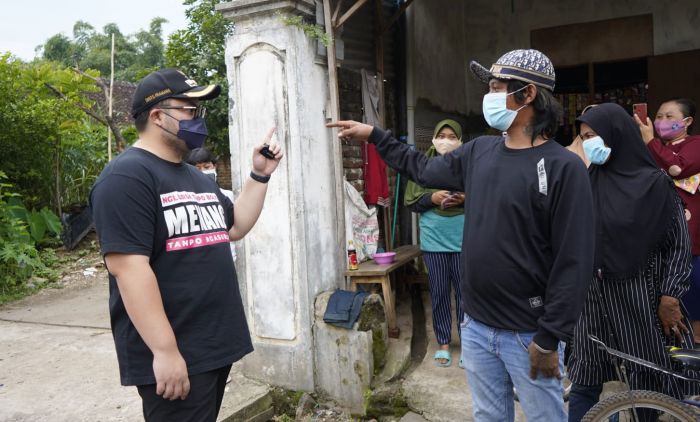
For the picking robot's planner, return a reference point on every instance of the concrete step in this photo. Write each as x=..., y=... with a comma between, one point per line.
x=245, y=400
x=412, y=417
x=439, y=394
x=398, y=354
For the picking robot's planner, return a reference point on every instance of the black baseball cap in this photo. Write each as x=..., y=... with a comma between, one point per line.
x=169, y=83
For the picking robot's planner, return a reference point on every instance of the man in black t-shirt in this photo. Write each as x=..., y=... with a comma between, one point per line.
x=164, y=230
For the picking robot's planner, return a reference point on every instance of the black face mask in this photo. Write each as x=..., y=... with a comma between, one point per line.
x=193, y=131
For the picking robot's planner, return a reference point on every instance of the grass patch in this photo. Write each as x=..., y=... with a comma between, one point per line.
x=57, y=263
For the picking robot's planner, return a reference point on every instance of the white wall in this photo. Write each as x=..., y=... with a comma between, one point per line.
x=289, y=256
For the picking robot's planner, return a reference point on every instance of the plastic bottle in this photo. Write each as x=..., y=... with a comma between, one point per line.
x=352, y=256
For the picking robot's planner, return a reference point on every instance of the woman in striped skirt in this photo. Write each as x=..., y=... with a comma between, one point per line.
x=642, y=264
x=441, y=229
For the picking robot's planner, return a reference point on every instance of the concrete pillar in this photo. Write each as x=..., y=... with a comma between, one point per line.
x=276, y=79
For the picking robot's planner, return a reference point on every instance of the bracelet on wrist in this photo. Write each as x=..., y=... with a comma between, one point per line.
x=258, y=178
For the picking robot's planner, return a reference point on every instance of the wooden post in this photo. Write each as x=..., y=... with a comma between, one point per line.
x=591, y=83
x=337, y=147
x=379, y=60
x=396, y=16
x=59, y=205
x=111, y=87
x=351, y=11
x=334, y=19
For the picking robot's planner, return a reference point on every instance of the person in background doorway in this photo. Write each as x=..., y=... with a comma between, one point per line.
x=678, y=153
x=441, y=227
x=205, y=162
x=642, y=263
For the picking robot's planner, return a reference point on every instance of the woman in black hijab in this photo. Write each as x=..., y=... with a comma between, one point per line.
x=642, y=263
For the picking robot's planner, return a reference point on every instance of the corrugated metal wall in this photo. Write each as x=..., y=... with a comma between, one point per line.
x=358, y=34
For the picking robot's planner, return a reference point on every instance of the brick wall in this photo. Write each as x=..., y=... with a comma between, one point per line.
x=223, y=172
x=350, y=95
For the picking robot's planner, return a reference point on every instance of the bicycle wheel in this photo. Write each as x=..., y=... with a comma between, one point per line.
x=624, y=404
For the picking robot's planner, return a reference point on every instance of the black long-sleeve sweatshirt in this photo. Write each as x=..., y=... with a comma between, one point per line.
x=528, y=233
x=424, y=204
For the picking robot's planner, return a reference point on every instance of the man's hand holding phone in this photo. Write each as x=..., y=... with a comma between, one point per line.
x=266, y=157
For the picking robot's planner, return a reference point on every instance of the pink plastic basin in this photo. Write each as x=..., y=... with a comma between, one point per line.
x=384, y=258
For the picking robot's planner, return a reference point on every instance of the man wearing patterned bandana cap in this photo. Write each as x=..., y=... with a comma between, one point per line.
x=525, y=65
x=528, y=237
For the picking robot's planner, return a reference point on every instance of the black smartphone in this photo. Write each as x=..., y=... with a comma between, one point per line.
x=265, y=151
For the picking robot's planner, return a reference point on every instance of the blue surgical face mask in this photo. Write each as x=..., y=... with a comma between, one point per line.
x=496, y=113
x=596, y=151
x=193, y=131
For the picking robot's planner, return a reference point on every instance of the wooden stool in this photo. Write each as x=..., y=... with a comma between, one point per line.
x=369, y=272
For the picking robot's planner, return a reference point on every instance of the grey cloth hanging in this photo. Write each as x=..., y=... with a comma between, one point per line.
x=370, y=99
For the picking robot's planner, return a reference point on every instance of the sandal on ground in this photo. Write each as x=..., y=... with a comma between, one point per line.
x=443, y=354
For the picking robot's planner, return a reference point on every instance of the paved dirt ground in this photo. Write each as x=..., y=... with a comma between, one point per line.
x=57, y=358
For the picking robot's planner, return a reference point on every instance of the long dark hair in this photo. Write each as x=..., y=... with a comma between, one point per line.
x=548, y=111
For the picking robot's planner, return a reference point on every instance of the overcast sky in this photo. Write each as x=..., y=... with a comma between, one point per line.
x=29, y=23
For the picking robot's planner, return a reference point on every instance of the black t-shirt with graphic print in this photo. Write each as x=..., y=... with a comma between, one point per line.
x=178, y=217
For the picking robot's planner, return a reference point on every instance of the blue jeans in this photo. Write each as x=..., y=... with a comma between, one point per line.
x=496, y=361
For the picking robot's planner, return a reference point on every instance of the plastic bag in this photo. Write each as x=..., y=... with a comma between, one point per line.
x=361, y=223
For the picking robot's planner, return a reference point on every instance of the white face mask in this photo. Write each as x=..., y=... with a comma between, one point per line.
x=496, y=113
x=445, y=145
x=596, y=151
x=211, y=173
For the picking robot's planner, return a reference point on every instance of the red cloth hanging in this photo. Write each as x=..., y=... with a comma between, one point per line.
x=376, y=183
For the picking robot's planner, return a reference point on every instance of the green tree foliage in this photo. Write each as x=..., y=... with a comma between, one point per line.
x=52, y=151
x=135, y=55
x=60, y=48
x=198, y=51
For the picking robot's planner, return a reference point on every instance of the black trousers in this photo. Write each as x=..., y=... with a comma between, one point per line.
x=201, y=405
